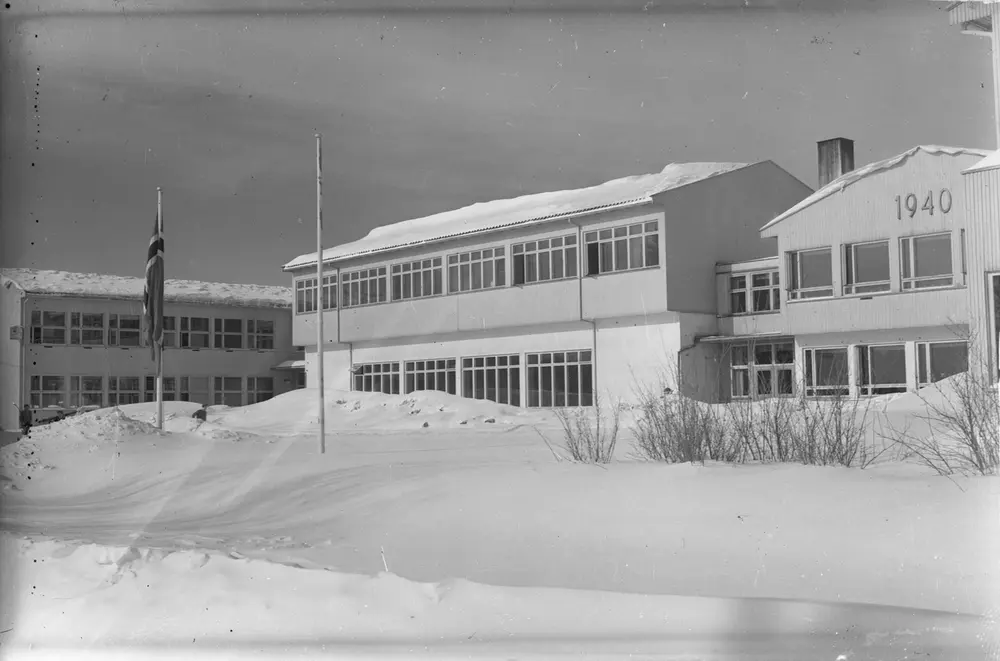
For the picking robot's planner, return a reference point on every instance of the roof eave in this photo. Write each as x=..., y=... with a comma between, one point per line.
x=167, y=299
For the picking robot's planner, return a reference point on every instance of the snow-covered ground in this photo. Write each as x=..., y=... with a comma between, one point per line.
x=440, y=526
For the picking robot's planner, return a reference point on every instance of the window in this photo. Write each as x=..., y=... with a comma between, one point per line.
x=562, y=378
x=124, y=330
x=431, y=375
x=305, y=295
x=194, y=332
x=417, y=279
x=170, y=332
x=229, y=390
x=48, y=327
x=623, y=248
x=939, y=360
x=47, y=391
x=546, y=259
x=811, y=273
x=86, y=391
x=763, y=292
x=123, y=390
x=882, y=369
x=363, y=287
x=479, y=269
x=765, y=369
x=259, y=389
x=195, y=389
x=496, y=378
x=86, y=328
x=866, y=267
x=260, y=334
x=926, y=261
x=169, y=389
x=329, y=292
x=228, y=333
x=826, y=372
x=377, y=377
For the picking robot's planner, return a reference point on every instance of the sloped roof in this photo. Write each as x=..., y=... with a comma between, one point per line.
x=989, y=163
x=839, y=184
x=538, y=207
x=99, y=285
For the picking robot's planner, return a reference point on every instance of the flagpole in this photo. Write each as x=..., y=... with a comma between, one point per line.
x=158, y=311
x=319, y=292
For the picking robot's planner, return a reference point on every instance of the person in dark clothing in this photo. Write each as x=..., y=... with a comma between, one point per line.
x=26, y=419
x=200, y=414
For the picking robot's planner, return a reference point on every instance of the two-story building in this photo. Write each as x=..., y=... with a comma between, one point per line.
x=869, y=291
x=982, y=194
x=545, y=299
x=76, y=339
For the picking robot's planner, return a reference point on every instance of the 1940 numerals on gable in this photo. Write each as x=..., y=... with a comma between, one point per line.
x=910, y=204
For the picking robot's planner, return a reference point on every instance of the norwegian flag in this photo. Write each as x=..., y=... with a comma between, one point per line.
x=152, y=295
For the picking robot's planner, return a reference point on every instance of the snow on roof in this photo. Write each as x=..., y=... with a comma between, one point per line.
x=99, y=285
x=990, y=162
x=840, y=183
x=483, y=216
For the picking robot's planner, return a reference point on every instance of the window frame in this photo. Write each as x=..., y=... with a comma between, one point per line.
x=608, y=242
x=255, y=335
x=37, y=393
x=476, y=261
x=220, y=334
x=439, y=371
x=115, y=330
x=525, y=253
x=748, y=292
x=305, y=295
x=474, y=366
x=220, y=390
x=850, y=285
x=39, y=328
x=185, y=390
x=809, y=372
x=115, y=390
x=403, y=278
x=794, y=263
x=170, y=391
x=77, y=391
x=925, y=362
x=77, y=329
x=907, y=261
x=186, y=332
x=535, y=374
x=255, y=392
x=386, y=373
x=751, y=370
x=866, y=384
x=372, y=278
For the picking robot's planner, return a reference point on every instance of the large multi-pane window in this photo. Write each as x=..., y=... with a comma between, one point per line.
x=48, y=327
x=417, y=279
x=754, y=292
x=866, y=267
x=560, y=378
x=228, y=390
x=86, y=391
x=170, y=332
x=47, y=390
x=811, y=273
x=228, y=333
x=124, y=390
x=545, y=259
x=260, y=334
x=125, y=330
x=259, y=389
x=377, y=377
x=475, y=270
x=169, y=389
x=762, y=369
x=939, y=360
x=195, y=389
x=623, y=248
x=86, y=328
x=329, y=292
x=882, y=369
x=194, y=332
x=925, y=261
x=826, y=372
x=363, y=287
x=496, y=378
x=440, y=374
x=305, y=295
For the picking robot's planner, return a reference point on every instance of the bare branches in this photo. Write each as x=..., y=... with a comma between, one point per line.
x=591, y=433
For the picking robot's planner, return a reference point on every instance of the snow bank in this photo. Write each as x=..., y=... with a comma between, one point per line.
x=100, y=285
x=520, y=210
x=82, y=596
x=840, y=183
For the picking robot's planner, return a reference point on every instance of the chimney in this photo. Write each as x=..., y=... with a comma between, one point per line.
x=836, y=157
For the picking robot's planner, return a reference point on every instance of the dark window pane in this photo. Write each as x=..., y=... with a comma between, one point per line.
x=652, y=250
x=586, y=386
x=533, y=386
x=932, y=255
x=621, y=254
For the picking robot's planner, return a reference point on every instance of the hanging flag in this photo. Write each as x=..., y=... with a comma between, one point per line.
x=152, y=295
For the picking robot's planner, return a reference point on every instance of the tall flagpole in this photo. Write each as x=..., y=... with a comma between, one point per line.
x=157, y=311
x=319, y=291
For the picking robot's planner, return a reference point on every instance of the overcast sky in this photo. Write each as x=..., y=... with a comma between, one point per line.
x=424, y=111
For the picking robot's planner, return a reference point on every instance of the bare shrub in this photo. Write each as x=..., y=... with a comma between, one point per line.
x=677, y=429
x=761, y=430
x=834, y=431
x=591, y=433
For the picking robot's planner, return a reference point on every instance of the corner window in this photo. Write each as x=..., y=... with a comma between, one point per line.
x=925, y=261
x=866, y=267
x=754, y=292
x=305, y=295
x=623, y=248
x=545, y=259
x=811, y=274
